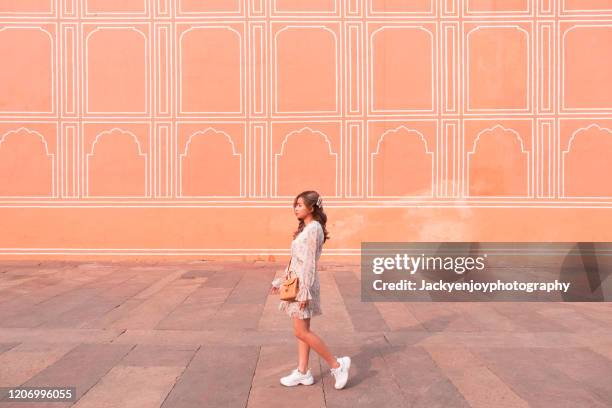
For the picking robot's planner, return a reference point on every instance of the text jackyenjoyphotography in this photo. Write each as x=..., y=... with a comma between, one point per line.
x=473, y=271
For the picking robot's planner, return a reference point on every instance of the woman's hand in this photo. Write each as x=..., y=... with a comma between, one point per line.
x=303, y=304
x=274, y=290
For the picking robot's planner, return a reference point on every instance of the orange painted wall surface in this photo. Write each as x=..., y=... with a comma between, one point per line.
x=162, y=128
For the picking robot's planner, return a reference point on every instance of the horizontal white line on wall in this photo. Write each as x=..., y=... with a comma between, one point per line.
x=161, y=252
x=484, y=204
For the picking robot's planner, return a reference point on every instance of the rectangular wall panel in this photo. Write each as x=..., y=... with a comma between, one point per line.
x=545, y=158
x=450, y=162
x=450, y=8
x=450, y=68
x=257, y=8
x=163, y=69
x=258, y=62
x=354, y=68
x=69, y=70
x=354, y=163
x=162, y=8
x=70, y=160
x=353, y=8
x=258, y=160
x=163, y=160
x=546, y=67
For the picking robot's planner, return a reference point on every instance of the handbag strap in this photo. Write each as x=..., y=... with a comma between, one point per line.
x=289, y=266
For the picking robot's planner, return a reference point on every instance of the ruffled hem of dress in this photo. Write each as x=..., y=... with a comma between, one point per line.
x=293, y=309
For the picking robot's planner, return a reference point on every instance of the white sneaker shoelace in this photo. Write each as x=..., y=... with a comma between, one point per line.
x=341, y=373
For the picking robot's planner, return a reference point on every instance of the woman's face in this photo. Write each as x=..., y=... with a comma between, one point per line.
x=300, y=210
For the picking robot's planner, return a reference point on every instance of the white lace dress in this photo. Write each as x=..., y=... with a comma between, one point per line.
x=305, y=253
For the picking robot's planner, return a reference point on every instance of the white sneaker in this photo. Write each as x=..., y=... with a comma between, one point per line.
x=341, y=373
x=296, y=378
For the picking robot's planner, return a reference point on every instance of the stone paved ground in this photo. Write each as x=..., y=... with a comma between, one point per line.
x=209, y=335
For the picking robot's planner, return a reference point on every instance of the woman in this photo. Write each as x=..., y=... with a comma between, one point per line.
x=305, y=252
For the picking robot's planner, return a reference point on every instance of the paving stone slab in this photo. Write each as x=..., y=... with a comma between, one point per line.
x=364, y=315
x=146, y=355
x=131, y=387
x=276, y=362
x=216, y=377
x=538, y=382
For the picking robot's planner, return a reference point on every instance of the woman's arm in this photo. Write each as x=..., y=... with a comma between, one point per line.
x=278, y=281
x=307, y=265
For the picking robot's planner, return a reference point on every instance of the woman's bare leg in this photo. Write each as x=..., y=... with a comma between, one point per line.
x=303, y=353
x=301, y=330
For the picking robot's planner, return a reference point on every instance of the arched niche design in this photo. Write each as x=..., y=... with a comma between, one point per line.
x=27, y=168
x=498, y=164
x=116, y=166
x=306, y=162
x=402, y=165
x=587, y=163
x=210, y=166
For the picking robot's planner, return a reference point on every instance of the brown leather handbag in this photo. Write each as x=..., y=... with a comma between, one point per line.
x=290, y=287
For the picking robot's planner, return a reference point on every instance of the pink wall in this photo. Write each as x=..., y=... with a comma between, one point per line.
x=157, y=128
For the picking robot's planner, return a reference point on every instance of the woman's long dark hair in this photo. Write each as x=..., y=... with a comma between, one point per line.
x=310, y=200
